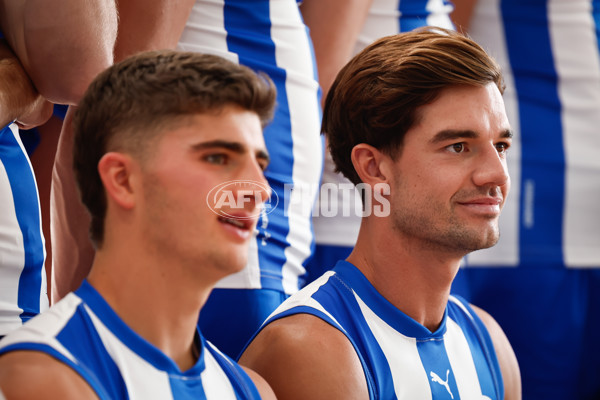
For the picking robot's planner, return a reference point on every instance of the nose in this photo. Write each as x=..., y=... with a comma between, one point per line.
x=491, y=168
x=260, y=190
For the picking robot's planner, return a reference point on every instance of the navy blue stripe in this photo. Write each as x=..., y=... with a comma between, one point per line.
x=347, y=312
x=543, y=171
x=82, y=371
x=371, y=385
x=439, y=371
x=80, y=337
x=382, y=307
x=244, y=387
x=132, y=339
x=596, y=15
x=27, y=208
x=249, y=35
x=413, y=14
x=482, y=349
x=186, y=389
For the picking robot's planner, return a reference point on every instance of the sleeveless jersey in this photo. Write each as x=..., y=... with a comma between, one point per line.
x=401, y=358
x=84, y=332
x=549, y=51
x=22, y=252
x=270, y=36
x=338, y=213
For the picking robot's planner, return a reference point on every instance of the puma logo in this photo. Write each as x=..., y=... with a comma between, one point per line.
x=436, y=378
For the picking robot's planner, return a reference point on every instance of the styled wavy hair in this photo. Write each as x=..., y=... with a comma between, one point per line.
x=375, y=98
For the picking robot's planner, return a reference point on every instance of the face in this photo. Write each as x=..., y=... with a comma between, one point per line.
x=182, y=169
x=451, y=178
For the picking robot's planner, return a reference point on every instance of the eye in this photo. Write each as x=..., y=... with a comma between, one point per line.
x=263, y=163
x=457, y=148
x=217, y=158
x=502, y=147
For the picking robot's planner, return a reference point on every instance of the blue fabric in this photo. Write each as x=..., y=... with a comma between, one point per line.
x=27, y=208
x=257, y=51
x=106, y=374
x=324, y=259
x=551, y=320
x=112, y=358
x=338, y=294
x=223, y=307
x=536, y=82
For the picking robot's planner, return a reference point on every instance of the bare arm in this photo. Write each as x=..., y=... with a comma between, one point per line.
x=143, y=26
x=31, y=375
x=461, y=16
x=266, y=393
x=506, y=356
x=19, y=100
x=334, y=27
x=152, y=25
x=303, y=357
x=63, y=45
x=72, y=250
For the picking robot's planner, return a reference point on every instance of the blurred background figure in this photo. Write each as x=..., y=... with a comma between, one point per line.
x=141, y=26
x=268, y=36
x=50, y=72
x=542, y=280
x=22, y=274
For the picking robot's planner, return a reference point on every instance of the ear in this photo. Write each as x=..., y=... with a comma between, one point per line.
x=115, y=171
x=371, y=165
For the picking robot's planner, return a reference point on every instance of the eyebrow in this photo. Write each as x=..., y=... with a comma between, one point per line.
x=452, y=134
x=235, y=147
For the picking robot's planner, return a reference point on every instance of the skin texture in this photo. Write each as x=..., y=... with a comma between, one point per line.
x=454, y=183
x=19, y=99
x=461, y=16
x=334, y=27
x=463, y=184
x=38, y=32
x=156, y=218
x=142, y=26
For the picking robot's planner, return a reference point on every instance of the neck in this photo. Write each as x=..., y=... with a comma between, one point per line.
x=415, y=277
x=153, y=298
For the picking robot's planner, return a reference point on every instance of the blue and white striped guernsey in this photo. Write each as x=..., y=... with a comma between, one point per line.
x=83, y=332
x=22, y=251
x=270, y=36
x=549, y=51
x=401, y=358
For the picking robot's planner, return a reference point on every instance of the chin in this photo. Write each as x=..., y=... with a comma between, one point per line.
x=489, y=241
x=237, y=264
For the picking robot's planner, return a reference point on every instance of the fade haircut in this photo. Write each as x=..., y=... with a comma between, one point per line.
x=133, y=102
x=375, y=98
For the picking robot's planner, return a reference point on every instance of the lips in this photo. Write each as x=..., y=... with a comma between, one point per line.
x=485, y=206
x=240, y=220
x=490, y=201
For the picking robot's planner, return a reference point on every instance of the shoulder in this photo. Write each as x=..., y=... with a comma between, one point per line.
x=36, y=375
x=506, y=356
x=266, y=393
x=302, y=348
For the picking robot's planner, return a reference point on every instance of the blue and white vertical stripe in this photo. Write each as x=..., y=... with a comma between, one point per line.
x=270, y=36
x=22, y=252
x=388, y=17
x=401, y=358
x=83, y=332
x=549, y=52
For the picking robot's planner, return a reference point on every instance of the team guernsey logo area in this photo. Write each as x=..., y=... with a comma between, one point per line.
x=233, y=199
